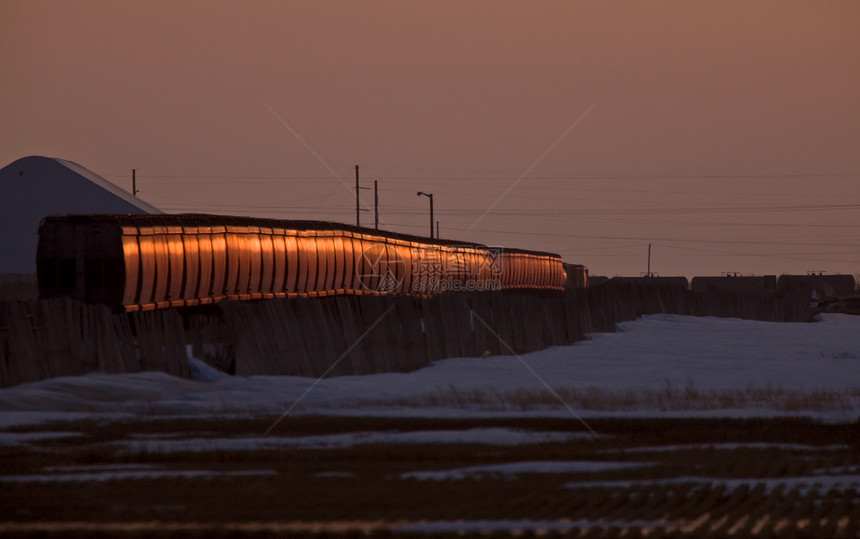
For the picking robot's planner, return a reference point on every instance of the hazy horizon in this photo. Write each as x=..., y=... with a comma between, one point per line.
x=724, y=134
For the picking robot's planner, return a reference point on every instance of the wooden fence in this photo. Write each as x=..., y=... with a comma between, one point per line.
x=18, y=287
x=62, y=337
x=367, y=334
x=339, y=335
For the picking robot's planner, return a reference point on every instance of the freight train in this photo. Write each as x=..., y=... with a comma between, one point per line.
x=145, y=262
x=838, y=285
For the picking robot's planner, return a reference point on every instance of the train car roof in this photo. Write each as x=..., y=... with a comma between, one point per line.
x=201, y=219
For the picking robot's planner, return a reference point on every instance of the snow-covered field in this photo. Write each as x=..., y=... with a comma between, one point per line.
x=504, y=444
x=660, y=365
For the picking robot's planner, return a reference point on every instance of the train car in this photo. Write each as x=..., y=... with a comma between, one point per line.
x=577, y=275
x=133, y=262
x=597, y=280
x=735, y=284
x=655, y=281
x=822, y=284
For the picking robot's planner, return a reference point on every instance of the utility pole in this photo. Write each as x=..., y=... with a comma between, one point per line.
x=358, y=189
x=431, y=216
x=649, y=261
x=437, y=230
x=134, y=190
x=376, y=204
x=357, y=208
x=430, y=196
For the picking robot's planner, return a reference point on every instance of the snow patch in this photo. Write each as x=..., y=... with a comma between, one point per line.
x=821, y=482
x=125, y=475
x=516, y=468
x=490, y=436
x=22, y=438
x=647, y=355
x=515, y=527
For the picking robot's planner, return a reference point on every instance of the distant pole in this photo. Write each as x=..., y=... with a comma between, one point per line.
x=437, y=230
x=376, y=204
x=134, y=190
x=357, y=209
x=649, y=261
x=431, y=216
x=432, y=220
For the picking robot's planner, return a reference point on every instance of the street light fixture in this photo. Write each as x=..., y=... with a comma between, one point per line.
x=430, y=196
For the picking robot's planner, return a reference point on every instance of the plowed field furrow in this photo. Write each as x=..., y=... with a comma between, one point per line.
x=323, y=475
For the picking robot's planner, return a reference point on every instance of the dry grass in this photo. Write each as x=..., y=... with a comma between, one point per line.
x=667, y=399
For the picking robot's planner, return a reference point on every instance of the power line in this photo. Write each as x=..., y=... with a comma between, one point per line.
x=663, y=239
x=456, y=178
x=402, y=179
x=643, y=211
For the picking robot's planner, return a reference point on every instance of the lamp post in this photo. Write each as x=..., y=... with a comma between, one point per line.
x=430, y=196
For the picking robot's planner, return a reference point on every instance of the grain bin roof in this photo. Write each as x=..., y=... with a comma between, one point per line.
x=35, y=187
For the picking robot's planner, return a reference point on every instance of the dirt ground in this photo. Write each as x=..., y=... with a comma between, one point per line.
x=219, y=476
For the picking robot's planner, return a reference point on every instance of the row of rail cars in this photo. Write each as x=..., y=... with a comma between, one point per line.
x=144, y=262
x=822, y=285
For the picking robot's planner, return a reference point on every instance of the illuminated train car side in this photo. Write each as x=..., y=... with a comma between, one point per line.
x=577, y=275
x=150, y=262
x=521, y=270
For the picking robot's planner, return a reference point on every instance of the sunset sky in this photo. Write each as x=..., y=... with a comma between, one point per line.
x=724, y=133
